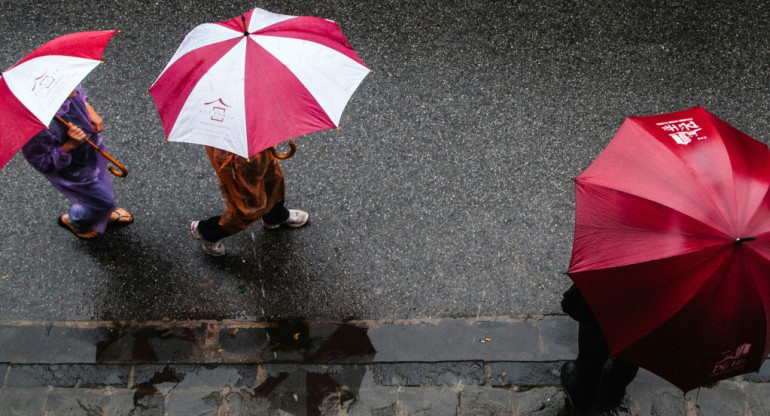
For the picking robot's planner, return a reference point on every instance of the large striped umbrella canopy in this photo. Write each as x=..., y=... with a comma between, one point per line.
x=33, y=90
x=251, y=82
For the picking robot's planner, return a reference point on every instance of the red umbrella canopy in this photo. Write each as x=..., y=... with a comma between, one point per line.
x=672, y=246
x=248, y=83
x=33, y=90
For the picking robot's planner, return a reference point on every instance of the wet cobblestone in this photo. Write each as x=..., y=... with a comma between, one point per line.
x=313, y=373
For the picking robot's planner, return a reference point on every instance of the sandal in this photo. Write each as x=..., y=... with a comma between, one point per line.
x=64, y=222
x=121, y=217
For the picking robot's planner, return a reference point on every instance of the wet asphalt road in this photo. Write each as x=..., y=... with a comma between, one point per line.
x=447, y=193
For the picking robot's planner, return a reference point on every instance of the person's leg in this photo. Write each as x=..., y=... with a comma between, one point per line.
x=88, y=218
x=616, y=376
x=210, y=229
x=210, y=234
x=277, y=214
x=580, y=377
x=80, y=216
x=81, y=230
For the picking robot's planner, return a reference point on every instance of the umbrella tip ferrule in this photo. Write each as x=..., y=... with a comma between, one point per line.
x=740, y=240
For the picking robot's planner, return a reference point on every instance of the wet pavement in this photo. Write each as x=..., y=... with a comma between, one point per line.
x=444, y=202
x=447, y=192
x=485, y=366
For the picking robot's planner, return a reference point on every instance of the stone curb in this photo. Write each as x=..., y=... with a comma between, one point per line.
x=519, y=339
x=250, y=376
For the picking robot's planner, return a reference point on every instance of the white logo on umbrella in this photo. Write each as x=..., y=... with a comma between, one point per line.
x=683, y=131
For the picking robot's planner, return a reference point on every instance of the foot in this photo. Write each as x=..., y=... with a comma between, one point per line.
x=579, y=400
x=617, y=374
x=212, y=249
x=84, y=233
x=297, y=218
x=121, y=217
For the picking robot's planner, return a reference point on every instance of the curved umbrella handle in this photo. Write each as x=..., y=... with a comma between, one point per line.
x=121, y=170
x=287, y=155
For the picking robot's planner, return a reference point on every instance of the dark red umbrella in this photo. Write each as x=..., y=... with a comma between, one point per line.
x=672, y=246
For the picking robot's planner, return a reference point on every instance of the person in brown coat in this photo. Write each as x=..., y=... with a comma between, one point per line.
x=253, y=188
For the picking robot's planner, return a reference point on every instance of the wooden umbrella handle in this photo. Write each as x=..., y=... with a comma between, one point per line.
x=286, y=155
x=120, y=171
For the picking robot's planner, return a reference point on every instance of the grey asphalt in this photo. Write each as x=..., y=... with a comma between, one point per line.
x=446, y=194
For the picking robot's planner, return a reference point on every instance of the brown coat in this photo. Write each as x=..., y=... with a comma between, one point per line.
x=250, y=186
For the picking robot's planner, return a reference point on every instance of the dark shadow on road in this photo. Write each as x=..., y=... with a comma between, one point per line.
x=165, y=275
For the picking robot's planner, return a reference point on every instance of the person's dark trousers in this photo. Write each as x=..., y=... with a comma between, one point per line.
x=617, y=374
x=210, y=229
x=594, y=377
x=277, y=214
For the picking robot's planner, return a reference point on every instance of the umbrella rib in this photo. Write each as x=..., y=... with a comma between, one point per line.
x=631, y=261
x=716, y=231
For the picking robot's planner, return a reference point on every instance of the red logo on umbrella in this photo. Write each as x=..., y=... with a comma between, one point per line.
x=218, y=109
x=732, y=360
x=44, y=81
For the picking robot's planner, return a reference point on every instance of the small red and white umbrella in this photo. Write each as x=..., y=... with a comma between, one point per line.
x=251, y=82
x=33, y=90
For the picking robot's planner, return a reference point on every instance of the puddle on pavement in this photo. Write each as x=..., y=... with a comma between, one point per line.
x=293, y=341
x=297, y=373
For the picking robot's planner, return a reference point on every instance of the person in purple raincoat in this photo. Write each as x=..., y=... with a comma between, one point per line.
x=76, y=170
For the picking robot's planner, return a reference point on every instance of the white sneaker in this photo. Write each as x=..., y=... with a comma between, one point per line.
x=213, y=249
x=297, y=218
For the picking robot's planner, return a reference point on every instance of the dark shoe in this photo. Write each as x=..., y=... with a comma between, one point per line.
x=577, y=395
x=616, y=375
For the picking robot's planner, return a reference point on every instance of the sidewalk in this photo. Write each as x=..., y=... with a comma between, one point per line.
x=486, y=366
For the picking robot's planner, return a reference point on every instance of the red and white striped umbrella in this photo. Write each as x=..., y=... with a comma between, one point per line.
x=33, y=90
x=251, y=82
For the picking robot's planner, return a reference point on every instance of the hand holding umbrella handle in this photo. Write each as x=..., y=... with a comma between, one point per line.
x=287, y=155
x=120, y=171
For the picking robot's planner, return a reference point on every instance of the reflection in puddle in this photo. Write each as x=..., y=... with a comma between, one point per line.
x=299, y=368
x=281, y=341
x=149, y=388
x=310, y=392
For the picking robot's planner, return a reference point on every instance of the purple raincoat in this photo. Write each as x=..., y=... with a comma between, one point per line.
x=81, y=175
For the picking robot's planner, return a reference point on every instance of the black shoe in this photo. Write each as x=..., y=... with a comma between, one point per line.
x=616, y=375
x=578, y=396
